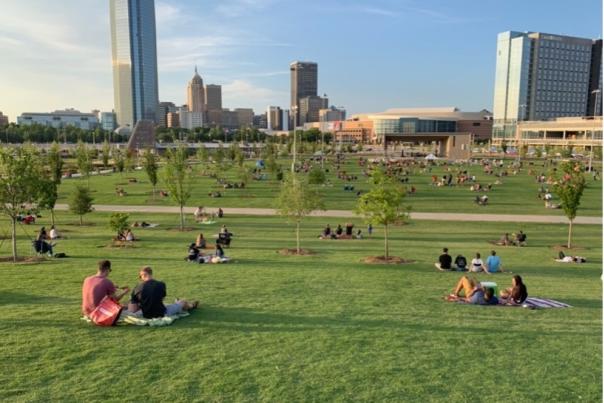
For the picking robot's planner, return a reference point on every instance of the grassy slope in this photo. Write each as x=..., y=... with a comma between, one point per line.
x=318, y=328
x=518, y=194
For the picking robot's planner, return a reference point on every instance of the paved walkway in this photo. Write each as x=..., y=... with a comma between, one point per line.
x=546, y=219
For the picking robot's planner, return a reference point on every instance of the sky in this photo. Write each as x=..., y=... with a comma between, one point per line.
x=372, y=54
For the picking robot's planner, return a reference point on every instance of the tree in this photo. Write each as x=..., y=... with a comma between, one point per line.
x=21, y=181
x=316, y=176
x=80, y=202
x=383, y=204
x=118, y=222
x=49, y=193
x=118, y=159
x=83, y=161
x=177, y=178
x=202, y=154
x=569, y=187
x=219, y=155
x=130, y=160
x=297, y=200
x=151, y=168
x=55, y=163
x=106, y=151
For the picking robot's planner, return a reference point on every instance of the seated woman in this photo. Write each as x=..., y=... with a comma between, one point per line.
x=339, y=231
x=359, y=235
x=461, y=264
x=477, y=265
x=520, y=239
x=200, y=242
x=198, y=214
x=129, y=236
x=53, y=233
x=474, y=292
x=349, y=228
x=504, y=240
x=326, y=234
x=515, y=295
x=193, y=254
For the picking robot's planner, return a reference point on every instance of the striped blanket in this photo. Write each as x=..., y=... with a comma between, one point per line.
x=530, y=303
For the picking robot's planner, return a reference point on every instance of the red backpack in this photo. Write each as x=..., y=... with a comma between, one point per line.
x=106, y=313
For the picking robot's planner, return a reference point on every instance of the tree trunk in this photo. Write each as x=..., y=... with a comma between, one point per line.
x=14, y=238
x=52, y=216
x=298, y=237
x=386, y=242
x=182, y=219
x=570, y=234
x=153, y=192
x=81, y=220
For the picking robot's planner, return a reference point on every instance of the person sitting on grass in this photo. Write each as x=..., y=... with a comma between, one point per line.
x=97, y=287
x=444, y=260
x=359, y=235
x=326, y=234
x=129, y=236
x=520, y=239
x=516, y=294
x=477, y=264
x=505, y=240
x=493, y=264
x=148, y=296
x=193, y=254
x=200, y=242
x=198, y=214
x=219, y=251
x=461, y=264
x=474, y=292
x=53, y=233
x=40, y=244
x=339, y=231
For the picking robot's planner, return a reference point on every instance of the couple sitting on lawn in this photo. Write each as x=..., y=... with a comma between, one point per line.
x=475, y=293
x=146, y=299
x=492, y=265
x=195, y=255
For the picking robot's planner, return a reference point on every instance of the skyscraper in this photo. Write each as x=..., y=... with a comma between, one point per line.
x=196, y=98
x=542, y=76
x=134, y=56
x=304, y=83
x=213, y=94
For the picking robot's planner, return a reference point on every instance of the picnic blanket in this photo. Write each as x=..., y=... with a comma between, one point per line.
x=530, y=303
x=207, y=222
x=127, y=318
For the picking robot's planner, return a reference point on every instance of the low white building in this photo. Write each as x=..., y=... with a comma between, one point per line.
x=60, y=119
x=190, y=120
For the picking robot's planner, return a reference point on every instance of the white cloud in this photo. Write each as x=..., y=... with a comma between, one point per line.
x=245, y=93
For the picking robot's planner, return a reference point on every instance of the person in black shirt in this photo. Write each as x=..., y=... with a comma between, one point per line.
x=444, y=260
x=149, y=296
x=461, y=263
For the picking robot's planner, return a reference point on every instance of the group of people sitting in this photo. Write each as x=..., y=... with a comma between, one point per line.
x=195, y=255
x=203, y=216
x=473, y=292
x=481, y=200
x=518, y=239
x=477, y=265
x=341, y=233
x=146, y=300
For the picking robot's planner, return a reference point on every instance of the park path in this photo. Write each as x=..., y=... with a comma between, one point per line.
x=544, y=219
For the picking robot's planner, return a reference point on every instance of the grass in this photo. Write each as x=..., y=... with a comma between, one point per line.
x=516, y=194
x=316, y=328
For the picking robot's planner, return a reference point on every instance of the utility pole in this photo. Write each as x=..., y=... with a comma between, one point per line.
x=591, y=147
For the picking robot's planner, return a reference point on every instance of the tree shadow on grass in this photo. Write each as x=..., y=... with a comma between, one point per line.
x=246, y=320
x=17, y=298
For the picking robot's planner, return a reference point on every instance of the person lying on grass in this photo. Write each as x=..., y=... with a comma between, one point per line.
x=562, y=258
x=516, y=294
x=148, y=298
x=474, y=292
x=97, y=287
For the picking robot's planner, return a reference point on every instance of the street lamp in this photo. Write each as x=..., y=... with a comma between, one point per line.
x=591, y=147
x=295, y=109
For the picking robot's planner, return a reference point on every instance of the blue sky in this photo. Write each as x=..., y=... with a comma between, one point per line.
x=372, y=55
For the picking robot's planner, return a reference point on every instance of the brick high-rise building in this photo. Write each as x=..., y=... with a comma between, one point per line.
x=196, y=98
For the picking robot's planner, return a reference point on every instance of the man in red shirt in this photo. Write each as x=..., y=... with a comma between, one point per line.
x=96, y=287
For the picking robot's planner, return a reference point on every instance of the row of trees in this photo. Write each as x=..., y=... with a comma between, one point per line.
x=35, y=133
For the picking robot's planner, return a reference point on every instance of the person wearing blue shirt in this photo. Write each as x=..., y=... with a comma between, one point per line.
x=493, y=263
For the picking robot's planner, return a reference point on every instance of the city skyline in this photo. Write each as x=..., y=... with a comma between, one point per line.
x=246, y=49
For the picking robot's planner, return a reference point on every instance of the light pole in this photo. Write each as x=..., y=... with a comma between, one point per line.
x=591, y=147
x=295, y=109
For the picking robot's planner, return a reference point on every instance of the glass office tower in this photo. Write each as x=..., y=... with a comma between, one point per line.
x=542, y=76
x=134, y=55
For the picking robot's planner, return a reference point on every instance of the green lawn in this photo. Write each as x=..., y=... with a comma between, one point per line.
x=517, y=194
x=318, y=328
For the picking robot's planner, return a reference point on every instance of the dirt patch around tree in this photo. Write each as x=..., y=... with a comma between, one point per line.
x=390, y=260
x=23, y=259
x=293, y=252
x=120, y=244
